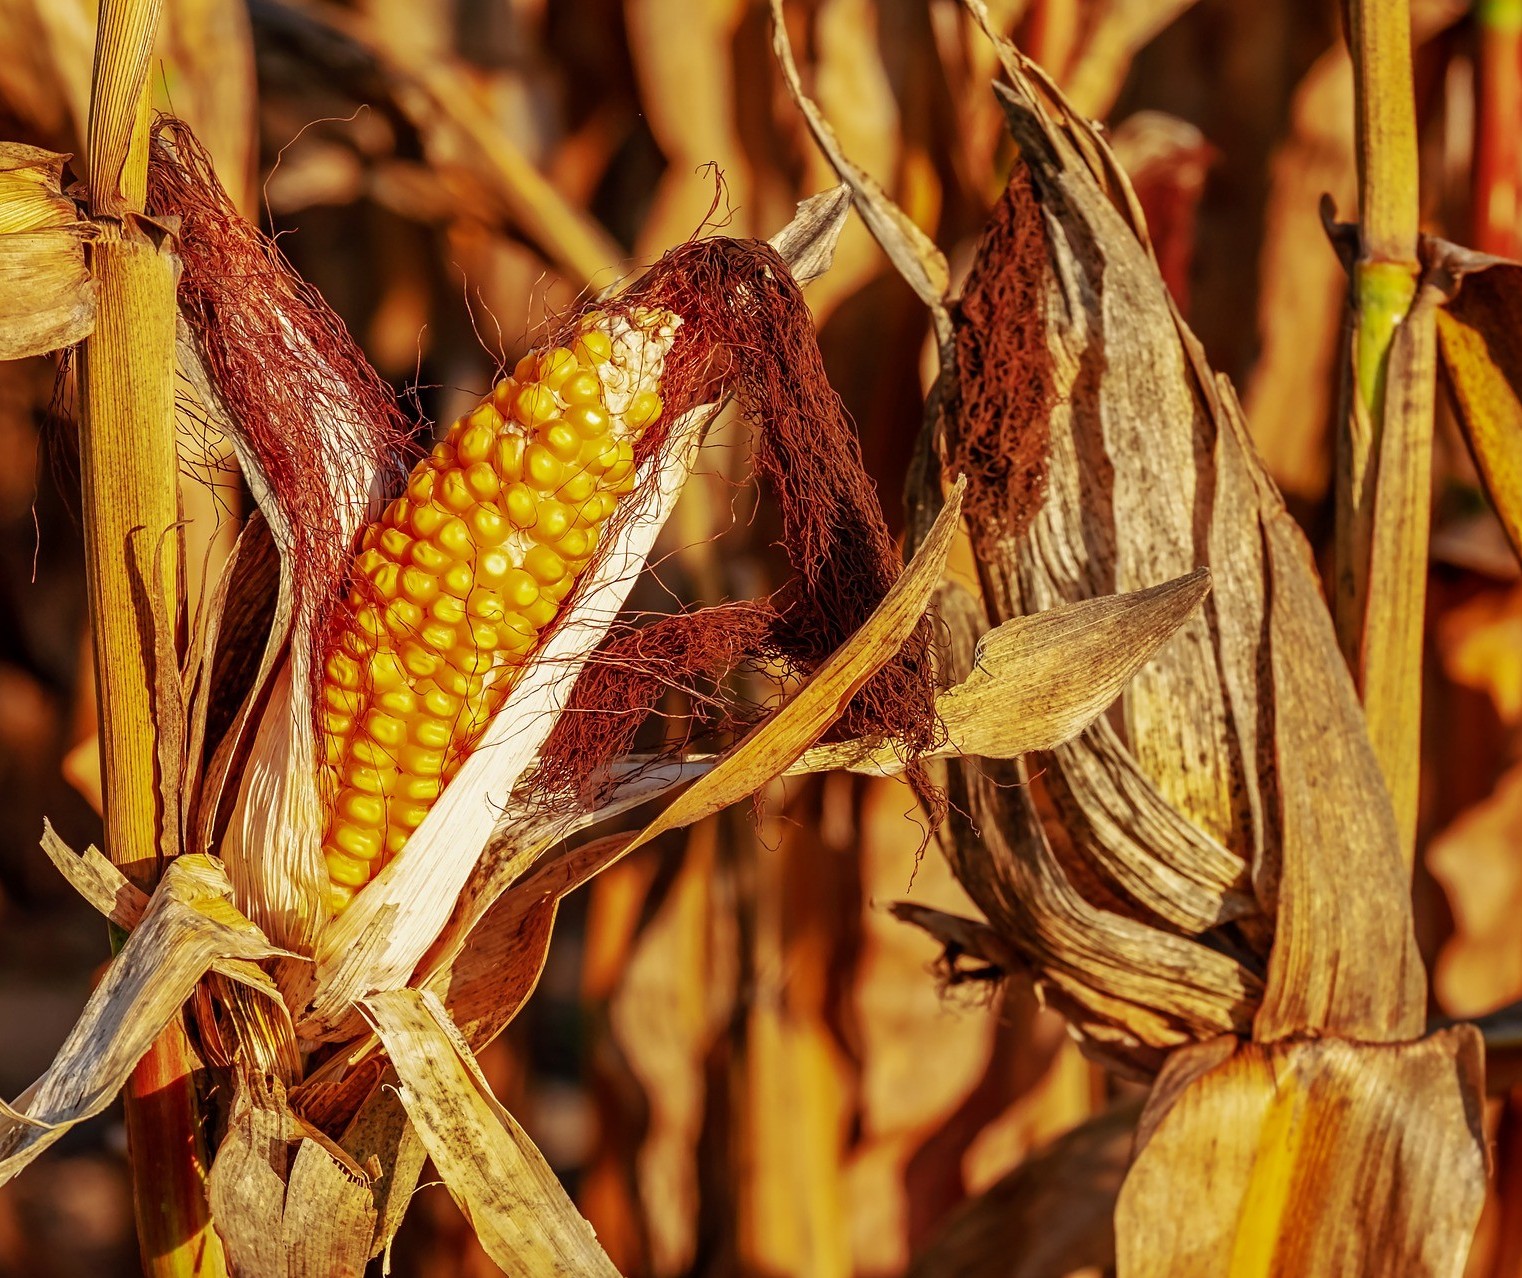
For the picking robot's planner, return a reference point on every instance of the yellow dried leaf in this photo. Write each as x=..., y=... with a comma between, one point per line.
x=47, y=293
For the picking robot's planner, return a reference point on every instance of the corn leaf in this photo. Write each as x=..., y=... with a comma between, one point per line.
x=512, y=1199
x=47, y=293
x=189, y=925
x=1480, y=332
x=1319, y=1161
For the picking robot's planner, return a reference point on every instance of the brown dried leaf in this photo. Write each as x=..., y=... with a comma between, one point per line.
x=1048, y=1217
x=1321, y=1160
x=188, y=926
x=492, y=1170
x=1480, y=332
x=47, y=294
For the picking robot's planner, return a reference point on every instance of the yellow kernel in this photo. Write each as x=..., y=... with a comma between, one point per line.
x=488, y=526
x=342, y=669
x=401, y=702
x=417, y=585
x=385, y=730
x=595, y=347
x=517, y=634
x=581, y=387
x=590, y=421
x=396, y=840
x=508, y=457
x=576, y=544
x=554, y=518
x=483, y=635
x=420, y=761
x=367, y=621
x=367, y=561
x=555, y=591
x=483, y=482
x=408, y=815
x=448, y=609
x=518, y=589
x=429, y=557
x=361, y=808
x=459, y=579
x=347, y=873
x=522, y=505
x=543, y=468
x=343, y=700
x=454, y=539
x=443, y=455
x=454, y=492
x=503, y=394
x=427, y=520
x=561, y=440
x=394, y=543
x=643, y=409
x=369, y=753
x=438, y=636
x=527, y=368
x=432, y=734
x=555, y=366
x=543, y=564
x=372, y=778
x=420, y=486
x=386, y=671
x=541, y=612
x=485, y=415
x=485, y=604
x=336, y=722
x=577, y=488
x=386, y=581
x=419, y=789
x=475, y=444
x=402, y=617
x=334, y=749
x=417, y=660
x=358, y=841
x=535, y=403
x=492, y=567
x=339, y=897
x=440, y=704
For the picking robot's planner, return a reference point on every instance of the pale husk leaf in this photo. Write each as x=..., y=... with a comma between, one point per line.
x=516, y=1206
x=188, y=926
x=47, y=293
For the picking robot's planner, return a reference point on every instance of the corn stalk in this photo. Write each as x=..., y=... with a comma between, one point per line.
x=1385, y=447
x=131, y=511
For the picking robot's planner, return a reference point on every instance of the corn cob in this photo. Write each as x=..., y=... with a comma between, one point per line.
x=453, y=587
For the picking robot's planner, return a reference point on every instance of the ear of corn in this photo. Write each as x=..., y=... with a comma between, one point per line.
x=455, y=584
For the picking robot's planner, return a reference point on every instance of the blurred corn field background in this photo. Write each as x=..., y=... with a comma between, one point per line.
x=738, y=1061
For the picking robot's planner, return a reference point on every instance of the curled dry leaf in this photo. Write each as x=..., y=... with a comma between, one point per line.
x=47, y=294
x=188, y=926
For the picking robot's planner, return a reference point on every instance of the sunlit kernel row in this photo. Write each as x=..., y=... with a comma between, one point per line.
x=456, y=583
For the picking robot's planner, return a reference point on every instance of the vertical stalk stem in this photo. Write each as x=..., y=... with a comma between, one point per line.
x=129, y=473
x=1384, y=448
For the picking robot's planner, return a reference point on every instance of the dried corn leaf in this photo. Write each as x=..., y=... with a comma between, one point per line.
x=1048, y=1217
x=512, y=1199
x=189, y=926
x=912, y=252
x=285, y=1200
x=47, y=294
x=1480, y=332
x=1038, y=681
x=1319, y=1161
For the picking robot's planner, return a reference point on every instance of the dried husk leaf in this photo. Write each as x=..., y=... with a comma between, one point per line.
x=1480, y=333
x=188, y=926
x=512, y=1199
x=286, y=1201
x=1039, y=681
x=47, y=292
x=1318, y=1160
x=1048, y=1217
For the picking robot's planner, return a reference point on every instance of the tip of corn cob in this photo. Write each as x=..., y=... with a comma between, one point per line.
x=457, y=582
